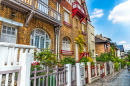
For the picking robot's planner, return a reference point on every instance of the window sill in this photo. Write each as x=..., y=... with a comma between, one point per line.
x=67, y=24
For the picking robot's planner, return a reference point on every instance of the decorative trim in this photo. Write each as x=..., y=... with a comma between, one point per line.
x=11, y=22
x=66, y=10
x=67, y=24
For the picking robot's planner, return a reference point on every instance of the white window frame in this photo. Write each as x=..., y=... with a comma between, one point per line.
x=65, y=45
x=9, y=35
x=66, y=16
x=40, y=35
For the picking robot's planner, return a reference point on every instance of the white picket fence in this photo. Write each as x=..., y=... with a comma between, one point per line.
x=12, y=60
x=17, y=59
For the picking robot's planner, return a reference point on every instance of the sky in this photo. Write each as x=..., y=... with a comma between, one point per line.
x=111, y=18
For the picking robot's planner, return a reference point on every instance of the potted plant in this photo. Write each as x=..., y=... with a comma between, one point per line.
x=128, y=66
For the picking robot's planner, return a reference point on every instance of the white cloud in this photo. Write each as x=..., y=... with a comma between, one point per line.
x=127, y=47
x=97, y=13
x=120, y=13
x=122, y=42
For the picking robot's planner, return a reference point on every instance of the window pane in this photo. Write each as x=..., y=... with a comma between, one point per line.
x=32, y=42
x=13, y=33
x=13, y=29
x=8, y=30
x=47, y=37
x=3, y=31
x=42, y=43
x=4, y=27
x=37, y=41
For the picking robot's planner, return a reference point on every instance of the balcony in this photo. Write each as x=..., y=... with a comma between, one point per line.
x=77, y=9
x=37, y=9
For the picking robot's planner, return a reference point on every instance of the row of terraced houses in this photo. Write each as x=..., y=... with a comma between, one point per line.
x=54, y=23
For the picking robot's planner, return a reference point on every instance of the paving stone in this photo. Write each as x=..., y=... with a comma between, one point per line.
x=119, y=78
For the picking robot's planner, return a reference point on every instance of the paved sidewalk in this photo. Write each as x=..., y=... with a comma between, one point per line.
x=104, y=81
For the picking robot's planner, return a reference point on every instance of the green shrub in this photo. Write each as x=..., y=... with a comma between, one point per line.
x=128, y=64
x=68, y=60
x=123, y=63
x=117, y=66
x=85, y=60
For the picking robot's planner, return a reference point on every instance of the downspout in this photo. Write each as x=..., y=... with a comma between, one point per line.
x=56, y=34
x=59, y=39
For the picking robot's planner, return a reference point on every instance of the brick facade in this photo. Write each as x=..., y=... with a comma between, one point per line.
x=100, y=48
x=23, y=33
x=73, y=32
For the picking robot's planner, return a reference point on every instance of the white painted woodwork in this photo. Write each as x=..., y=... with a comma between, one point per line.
x=68, y=77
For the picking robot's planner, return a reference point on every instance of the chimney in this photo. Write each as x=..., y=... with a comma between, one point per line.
x=100, y=35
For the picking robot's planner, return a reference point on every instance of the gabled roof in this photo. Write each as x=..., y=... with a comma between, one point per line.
x=99, y=40
x=121, y=48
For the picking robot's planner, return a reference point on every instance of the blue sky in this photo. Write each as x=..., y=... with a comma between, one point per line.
x=111, y=18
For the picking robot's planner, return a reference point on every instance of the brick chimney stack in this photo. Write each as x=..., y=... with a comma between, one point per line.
x=100, y=35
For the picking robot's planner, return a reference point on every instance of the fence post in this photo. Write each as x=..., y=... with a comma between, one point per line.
x=78, y=74
x=68, y=74
x=25, y=70
x=105, y=69
x=89, y=72
x=96, y=70
x=83, y=78
x=113, y=67
x=83, y=65
x=99, y=69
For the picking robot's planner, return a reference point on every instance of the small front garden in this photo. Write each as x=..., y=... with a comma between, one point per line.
x=105, y=57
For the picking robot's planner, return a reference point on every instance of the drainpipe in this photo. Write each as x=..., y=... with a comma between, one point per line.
x=56, y=44
x=56, y=34
x=59, y=45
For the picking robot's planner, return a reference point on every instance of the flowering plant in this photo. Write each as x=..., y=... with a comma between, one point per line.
x=46, y=57
x=81, y=42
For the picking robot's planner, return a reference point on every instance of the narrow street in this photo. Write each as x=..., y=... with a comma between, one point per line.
x=122, y=79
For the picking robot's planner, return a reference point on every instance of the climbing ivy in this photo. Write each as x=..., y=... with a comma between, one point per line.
x=81, y=42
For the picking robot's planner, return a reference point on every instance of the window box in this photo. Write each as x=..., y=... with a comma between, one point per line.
x=65, y=52
x=67, y=24
x=83, y=33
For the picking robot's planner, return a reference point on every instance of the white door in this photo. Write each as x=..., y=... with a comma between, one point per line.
x=76, y=51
